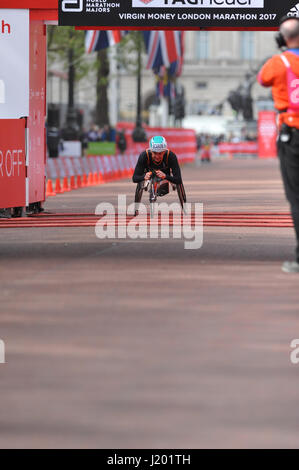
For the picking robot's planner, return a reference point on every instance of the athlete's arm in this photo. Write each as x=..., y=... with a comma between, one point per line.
x=140, y=168
x=176, y=176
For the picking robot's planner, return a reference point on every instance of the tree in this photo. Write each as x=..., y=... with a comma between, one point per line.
x=130, y=57
x=60, y=40
x=67, y=45
x=103, y=70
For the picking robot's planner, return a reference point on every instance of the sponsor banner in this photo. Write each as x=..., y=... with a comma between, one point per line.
x=14, y=59
x=267, y=130
x=198, y=3
x=174, y=14
x=12, y=163
x=250, y=148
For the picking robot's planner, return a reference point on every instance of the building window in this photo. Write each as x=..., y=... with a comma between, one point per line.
x=202, y=45
x=247, y=45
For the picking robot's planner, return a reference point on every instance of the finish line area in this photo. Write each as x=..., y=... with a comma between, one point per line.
x=238, y=193
x=207, y=184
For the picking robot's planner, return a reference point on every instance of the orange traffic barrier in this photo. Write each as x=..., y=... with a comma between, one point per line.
x=84, y=181
x=90, y=179
x=79, y=181
x=105, y=179
x=65, y=184
x=95, y=179
x=73, y=183
x=58, y=188
x=50, y=191
x=100, y=178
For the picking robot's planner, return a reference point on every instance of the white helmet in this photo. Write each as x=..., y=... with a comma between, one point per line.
x=158, y=144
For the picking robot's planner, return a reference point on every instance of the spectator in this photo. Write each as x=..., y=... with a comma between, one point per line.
x=84, y=141
x=54, y=141
x=94, y=134
x=108, y=134
x=281, y=72
x=121, y=141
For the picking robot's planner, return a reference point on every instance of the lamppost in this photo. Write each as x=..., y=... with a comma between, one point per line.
x=139, y=134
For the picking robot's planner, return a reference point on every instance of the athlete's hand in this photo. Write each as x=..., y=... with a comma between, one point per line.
x=148, y=175
x=160, y=174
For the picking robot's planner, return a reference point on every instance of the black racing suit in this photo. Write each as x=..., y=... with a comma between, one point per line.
x=289, y=163
x=169, y=166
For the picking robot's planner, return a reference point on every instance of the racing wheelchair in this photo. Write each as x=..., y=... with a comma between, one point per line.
x=157, y=187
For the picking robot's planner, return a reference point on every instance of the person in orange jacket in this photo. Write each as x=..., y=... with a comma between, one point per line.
x=281, y=72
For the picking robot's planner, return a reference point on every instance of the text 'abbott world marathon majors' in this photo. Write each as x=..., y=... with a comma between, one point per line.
x=176, y=14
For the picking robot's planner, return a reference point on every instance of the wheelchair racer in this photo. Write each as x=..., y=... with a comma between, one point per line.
x=158, y=160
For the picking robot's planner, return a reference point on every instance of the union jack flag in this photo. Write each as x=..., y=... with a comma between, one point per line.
x=165, y=57
x=163, y=48
x=96, y=40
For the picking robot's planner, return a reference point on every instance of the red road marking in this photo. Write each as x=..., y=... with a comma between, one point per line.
x=210, y=219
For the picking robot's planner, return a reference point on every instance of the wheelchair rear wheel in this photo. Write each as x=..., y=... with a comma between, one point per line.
x=182, y=196
x=139, y=191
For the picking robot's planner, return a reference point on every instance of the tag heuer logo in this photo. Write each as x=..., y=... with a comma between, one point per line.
x=294, y=11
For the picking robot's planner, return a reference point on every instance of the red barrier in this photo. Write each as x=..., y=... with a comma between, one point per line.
x=12, y=163
x=37, y=111
x=250, y=148
x=267, y=134
x=181, y=141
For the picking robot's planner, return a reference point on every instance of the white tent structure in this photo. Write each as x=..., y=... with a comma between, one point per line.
x=213, y=125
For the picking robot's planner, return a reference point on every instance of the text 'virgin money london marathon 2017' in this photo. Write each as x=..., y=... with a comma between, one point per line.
x=176, y=13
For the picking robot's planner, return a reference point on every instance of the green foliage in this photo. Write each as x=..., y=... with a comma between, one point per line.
x=127, y=51
x=63, y=38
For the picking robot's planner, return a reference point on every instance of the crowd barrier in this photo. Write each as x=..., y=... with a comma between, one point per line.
x=249, y=148
x=68, y=173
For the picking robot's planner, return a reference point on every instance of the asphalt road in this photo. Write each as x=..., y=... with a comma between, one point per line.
x=143, y=344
